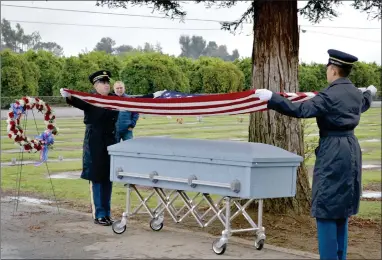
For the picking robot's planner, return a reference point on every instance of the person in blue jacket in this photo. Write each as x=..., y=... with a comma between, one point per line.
x=336, y=188
x=126, y=120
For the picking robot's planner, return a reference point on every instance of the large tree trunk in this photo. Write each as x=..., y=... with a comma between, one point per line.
x=275, y=60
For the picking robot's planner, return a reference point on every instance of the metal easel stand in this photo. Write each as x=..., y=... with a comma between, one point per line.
x=165, y=202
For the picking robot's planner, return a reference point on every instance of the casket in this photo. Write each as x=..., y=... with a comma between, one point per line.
x=227, y=168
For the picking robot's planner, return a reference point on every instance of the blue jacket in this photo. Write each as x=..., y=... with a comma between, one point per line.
x=126, y=119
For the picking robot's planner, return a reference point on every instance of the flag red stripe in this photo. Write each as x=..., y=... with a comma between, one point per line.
x=164, y=107
x=203, y=98
x=215, y=104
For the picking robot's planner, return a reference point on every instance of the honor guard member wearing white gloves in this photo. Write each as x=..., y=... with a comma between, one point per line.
x=337, y=172
x=99, y=134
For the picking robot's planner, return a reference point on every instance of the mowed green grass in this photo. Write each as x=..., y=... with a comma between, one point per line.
x=69, y=145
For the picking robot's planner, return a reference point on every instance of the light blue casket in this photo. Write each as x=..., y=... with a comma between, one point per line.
x=227, y=168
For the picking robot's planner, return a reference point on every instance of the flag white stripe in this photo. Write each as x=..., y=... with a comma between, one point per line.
x=143, y=104
x=186, y=111
x=217, y=110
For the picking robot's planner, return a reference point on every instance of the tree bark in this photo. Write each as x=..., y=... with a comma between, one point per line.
x=275, y=67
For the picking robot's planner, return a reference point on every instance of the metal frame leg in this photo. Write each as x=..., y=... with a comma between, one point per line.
x=126, y=214
x=260, y=233
x=220, y=209
x=219, y=246
x=120, y=226
x=227, y=232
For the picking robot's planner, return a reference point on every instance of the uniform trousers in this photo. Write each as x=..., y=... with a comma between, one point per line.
x=332, y=238
x=100, y=198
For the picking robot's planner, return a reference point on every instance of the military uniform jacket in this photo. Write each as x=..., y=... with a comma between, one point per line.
x=336, y=188
x=99, y=134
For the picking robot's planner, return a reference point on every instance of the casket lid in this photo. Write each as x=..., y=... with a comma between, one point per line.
x=206, y=149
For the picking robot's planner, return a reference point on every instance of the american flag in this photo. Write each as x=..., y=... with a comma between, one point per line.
x=177, y=103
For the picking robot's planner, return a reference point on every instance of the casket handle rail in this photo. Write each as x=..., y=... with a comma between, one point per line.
x=192, y=181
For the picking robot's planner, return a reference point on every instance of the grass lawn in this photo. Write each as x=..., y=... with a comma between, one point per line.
x=371, y=177
x=370, y=210
x=69, y=145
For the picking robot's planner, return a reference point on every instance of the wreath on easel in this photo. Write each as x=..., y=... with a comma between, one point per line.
x=16, y=133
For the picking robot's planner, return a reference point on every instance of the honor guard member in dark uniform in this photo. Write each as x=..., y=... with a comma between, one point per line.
x=99, y=134
x=337, y=186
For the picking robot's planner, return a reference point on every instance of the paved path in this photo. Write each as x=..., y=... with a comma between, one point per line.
x=38, y=231
x=61, y=112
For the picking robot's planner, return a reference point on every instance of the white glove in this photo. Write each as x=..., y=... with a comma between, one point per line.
x=64, y=93
x=158, y=93
x=372, y=89
x=264, y=94
x=362, y=89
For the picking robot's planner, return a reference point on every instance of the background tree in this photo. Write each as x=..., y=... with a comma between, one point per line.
x=245, y=65
x=212, y=75
x=149, y=72
x=147, y=47
x=275, y=63
x=106, y=44
x=195, y=47
x=18, y=75
x=50, y=47
x=123, y=48
x=191, y=47
x=17, y=41
x=49, y=67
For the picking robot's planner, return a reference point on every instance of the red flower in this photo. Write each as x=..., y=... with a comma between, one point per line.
x=25, y=100
x=50, y=126
x=10, y=135
x=12, y=123
x=37, y=99
x=27, y=147
x=29, y=106
x=46, y=117
x=11, y=115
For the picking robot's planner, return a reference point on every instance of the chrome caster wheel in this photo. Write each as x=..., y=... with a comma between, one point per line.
x=260, y=244
x=218, y=250
x=117, y=228
x=156, y=226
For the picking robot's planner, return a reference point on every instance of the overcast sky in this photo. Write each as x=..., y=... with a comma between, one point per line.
x=363, y=43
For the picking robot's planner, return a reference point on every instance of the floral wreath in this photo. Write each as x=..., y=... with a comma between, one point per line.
x=17, y=134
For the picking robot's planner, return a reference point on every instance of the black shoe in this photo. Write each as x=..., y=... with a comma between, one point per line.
x=110, y=220
x=102, y=222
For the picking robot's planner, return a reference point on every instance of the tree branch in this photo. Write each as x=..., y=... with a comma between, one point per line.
x=316, y=10
x=369, y=7
x=247, y=16
x=167, y=7
x=220, y=4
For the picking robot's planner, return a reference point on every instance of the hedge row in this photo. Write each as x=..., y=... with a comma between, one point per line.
x=43, y=74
